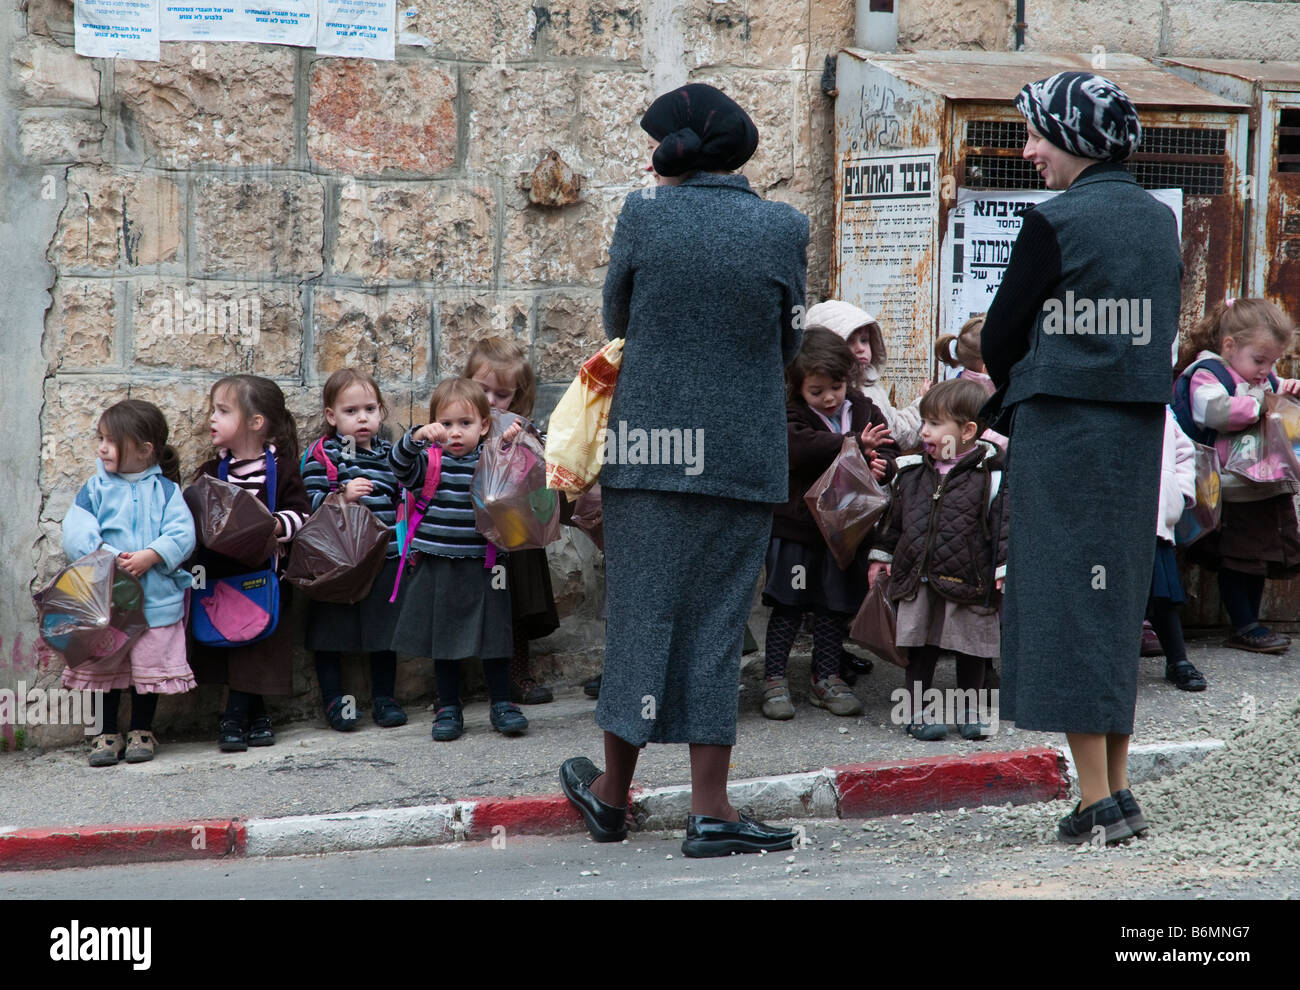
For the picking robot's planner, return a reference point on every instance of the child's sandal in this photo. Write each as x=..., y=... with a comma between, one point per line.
x=140, y=745
x=106, y=749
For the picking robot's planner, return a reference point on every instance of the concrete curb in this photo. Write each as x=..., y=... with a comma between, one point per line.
x=862, y=790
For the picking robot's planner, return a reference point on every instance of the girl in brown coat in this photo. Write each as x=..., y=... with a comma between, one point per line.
x=943, y=549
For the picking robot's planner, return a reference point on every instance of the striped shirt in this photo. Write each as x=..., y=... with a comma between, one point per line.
x=447, y=529
x=371, y=464
x=250, y=475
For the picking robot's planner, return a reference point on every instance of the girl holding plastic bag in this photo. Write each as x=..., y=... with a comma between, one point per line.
x=802, y=576
x=1227, y=371
x=943, y=551
x=133, y=506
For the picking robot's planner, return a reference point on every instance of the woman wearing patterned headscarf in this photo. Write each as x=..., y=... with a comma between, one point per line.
x=705, y=283
x=1078, y=341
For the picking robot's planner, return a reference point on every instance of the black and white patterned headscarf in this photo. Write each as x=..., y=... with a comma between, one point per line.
x=1083, y=114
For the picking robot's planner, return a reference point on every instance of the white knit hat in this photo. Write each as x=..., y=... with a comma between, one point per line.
x=839, y=317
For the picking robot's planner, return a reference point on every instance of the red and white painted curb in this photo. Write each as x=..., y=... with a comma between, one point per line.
x=862, y=790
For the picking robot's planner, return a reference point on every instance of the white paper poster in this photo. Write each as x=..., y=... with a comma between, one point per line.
x=117, y=29
x=357, y=28
x=284, y=22
x=887, y=244
x=982, y=227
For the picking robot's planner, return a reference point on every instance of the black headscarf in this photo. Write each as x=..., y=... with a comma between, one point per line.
x=699, y=127
x=1083, y=114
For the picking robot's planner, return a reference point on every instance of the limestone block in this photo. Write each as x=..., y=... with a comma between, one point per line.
x=464, y=318
x=604, y=29
x=443, y=232
x=1233, y=30
x=48, y=136
x=1065, y=25
x=229, y=104
x=73, y=404
x=51, y=18
x=387, y=333
x=776, y=102
x=184, y=402
x=81, y=325
x=49, y=74
x=768, y=33
x=367, y=117
x=221, y=327
x=516, y=114
x=565, y=245
x=473, y=30
x=830, y=28
x=117, y=219
x=569, y=330
x=270, y=225
x=614, y=148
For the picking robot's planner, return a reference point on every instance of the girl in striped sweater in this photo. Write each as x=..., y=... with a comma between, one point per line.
x=354, y=411
x=455, y=606
x=248, y=419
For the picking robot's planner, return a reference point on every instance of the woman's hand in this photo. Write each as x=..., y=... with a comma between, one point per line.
x=137, y=563
x=878, y=466
x=431, y=433
x=357, y=488
x=874, y=570
x=873, y=437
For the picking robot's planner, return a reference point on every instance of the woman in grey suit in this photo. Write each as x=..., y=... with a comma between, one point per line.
x=1078, y=340
x=706, y=285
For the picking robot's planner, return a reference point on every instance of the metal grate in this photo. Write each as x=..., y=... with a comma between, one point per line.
x=1000, y=172
x=1182, y=141
x=995, y=133
x=1288, y=141
x=1194, y=180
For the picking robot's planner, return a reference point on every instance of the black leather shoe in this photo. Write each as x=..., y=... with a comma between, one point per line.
x=260, y=732
x=605, y=822
x=1132, y=813
x=1184, y=676
x=231, y=736
x=386, y=712
x=1078, y=826
x=718, y=837
x=338, y=718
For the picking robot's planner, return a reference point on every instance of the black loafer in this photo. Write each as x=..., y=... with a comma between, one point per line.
x=1132, y=813
x=718, y=837
x=337, y=719
x=1078, y=826
x=260, y=732
x=1183, y=675
x=386, y=712
x=231, y=736
x=605, y=822
x=507, y=719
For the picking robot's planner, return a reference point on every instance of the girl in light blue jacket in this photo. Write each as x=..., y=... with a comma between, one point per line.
x=133, y=507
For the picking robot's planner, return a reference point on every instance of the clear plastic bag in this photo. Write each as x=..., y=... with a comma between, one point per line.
x=91, y=610
x=589, y=515
x=231, y=521
x=339, y=552
x=512, y=505
x=846, y=501
x=876, y=625
x=1203, y=516
x=1266, y=452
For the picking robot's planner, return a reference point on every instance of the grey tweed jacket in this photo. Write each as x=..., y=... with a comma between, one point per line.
x=706, y=282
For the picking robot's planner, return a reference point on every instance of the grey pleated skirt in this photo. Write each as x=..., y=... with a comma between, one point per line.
x=450, y=611
x=364, y=627
x=680, y=573
x=1084, y=486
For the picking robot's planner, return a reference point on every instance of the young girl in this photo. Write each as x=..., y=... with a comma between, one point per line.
x=354, y=413
x=946, y=533
x=960, y=352
x=1177, y=492
x=502, y=369
x=861, y=331
x=133, y=506
x=455, y=607
x=802, y=576
x=249, y=420
x=1227, y=362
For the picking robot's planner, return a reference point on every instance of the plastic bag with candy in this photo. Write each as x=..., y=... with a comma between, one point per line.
x=231, y=521
x=512, y=505
x=1203, y=516
x=339, y=552
x=846, y=501
x=91, y=610
x=1266, y=452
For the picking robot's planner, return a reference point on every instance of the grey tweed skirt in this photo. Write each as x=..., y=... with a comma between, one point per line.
x=1084, y=483
x=680, y=574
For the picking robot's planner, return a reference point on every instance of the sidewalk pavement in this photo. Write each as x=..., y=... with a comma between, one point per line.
x=319, y=790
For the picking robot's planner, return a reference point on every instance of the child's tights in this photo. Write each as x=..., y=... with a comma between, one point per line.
x=1241, y=594
x=783, y=627
x=496, y=671
x=143, y=707
x=1163, y=616
x=383, y=674
x=921, y=661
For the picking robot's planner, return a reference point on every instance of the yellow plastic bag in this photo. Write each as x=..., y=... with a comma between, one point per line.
x=573, y=435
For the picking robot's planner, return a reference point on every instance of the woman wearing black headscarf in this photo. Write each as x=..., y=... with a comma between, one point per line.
x=706, y=285
x=1079, y=340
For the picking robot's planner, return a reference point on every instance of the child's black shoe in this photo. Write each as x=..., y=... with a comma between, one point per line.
x=231, y=736
x=1184, y=676
x=260, y=732
x=387, y=713
x=507, y=719
x=448, y=723
x=336, y=715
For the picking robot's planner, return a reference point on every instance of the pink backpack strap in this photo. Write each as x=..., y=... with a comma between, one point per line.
x=317, y=453
x=490, y=558
x=416, y=509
